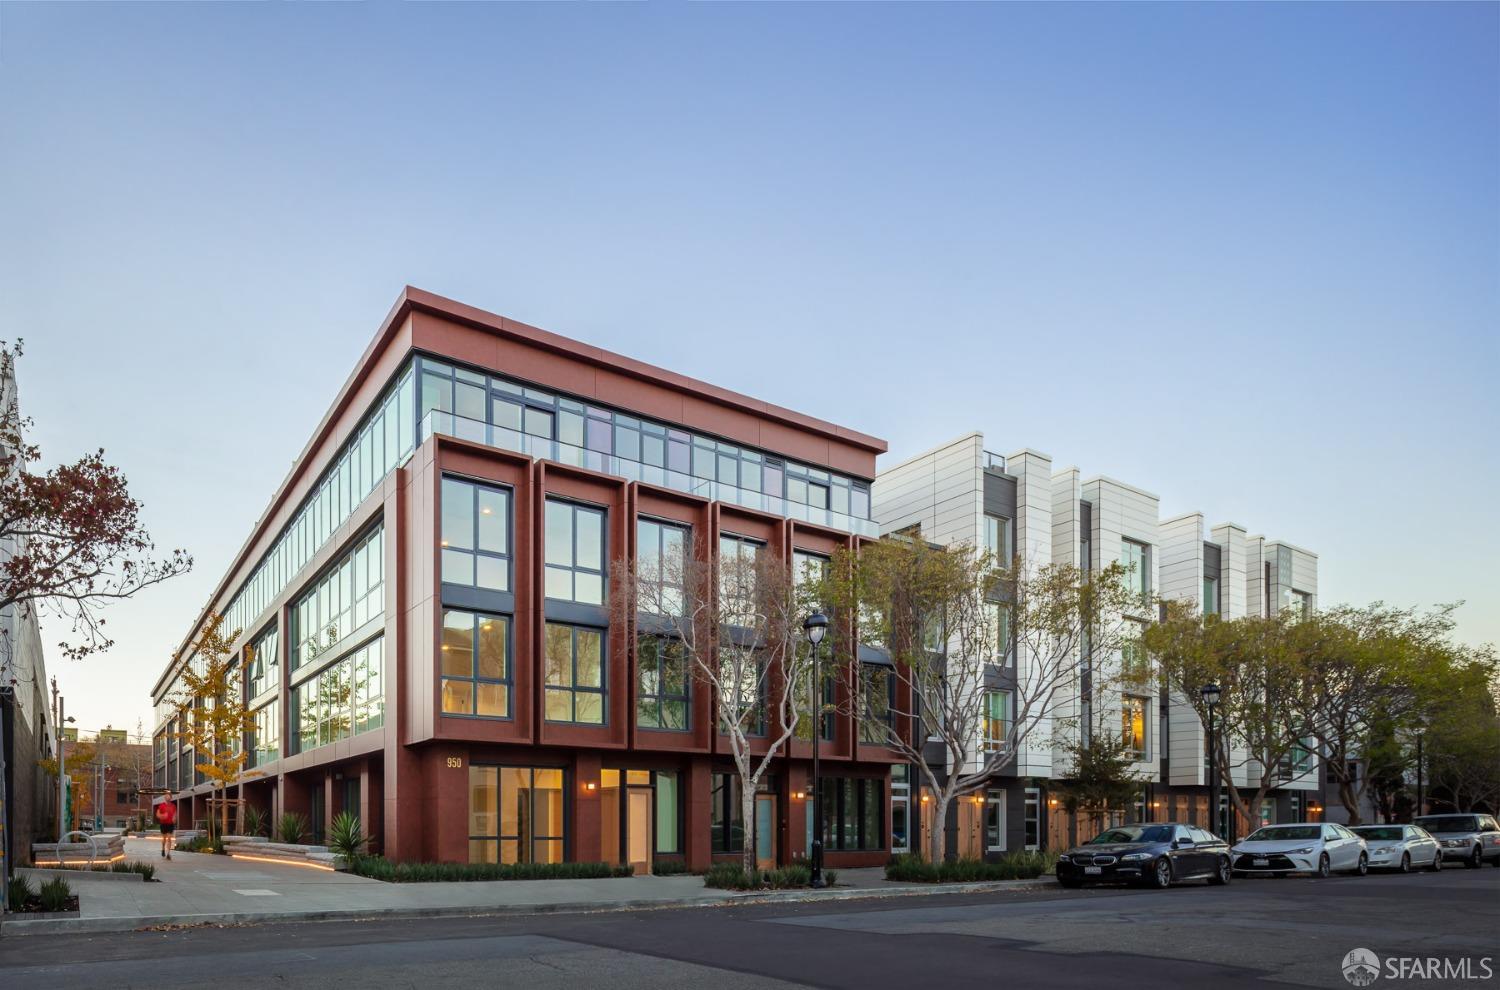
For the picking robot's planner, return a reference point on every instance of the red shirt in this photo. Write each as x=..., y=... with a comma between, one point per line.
x=166, y=813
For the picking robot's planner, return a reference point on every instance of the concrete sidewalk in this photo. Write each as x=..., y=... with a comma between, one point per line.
x=195, y=889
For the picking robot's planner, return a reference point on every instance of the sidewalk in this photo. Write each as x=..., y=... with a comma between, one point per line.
x=199, y=889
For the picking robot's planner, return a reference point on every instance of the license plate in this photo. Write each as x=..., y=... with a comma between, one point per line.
x=1262, y=862
x=1093, y=870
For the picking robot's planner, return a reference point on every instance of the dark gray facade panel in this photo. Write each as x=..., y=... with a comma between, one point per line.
x=999, y=495
x=1212, y=560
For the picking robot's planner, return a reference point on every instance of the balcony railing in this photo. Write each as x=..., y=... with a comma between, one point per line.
x=993, y=460
x=449, y=424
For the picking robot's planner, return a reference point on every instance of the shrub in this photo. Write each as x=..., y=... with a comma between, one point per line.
x=200, y=843
x=730, y=876
x=1014, y=866
x=290, y=828
x=18, y=892
x=345, y=836
x=672, y=868
x=379, y=868
x=55, y=894
x=255, y=820
x=133, y=866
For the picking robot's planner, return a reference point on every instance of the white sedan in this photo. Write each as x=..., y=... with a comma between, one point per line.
x=1311, y=848
x=1400, y=847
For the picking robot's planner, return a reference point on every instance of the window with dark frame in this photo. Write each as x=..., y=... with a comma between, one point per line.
x=662, y=683
x=575, y=542
x=475, y=666
x=575, y=674
x=475, y=534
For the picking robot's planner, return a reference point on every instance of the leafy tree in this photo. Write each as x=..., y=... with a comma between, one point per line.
x=211, y=711
x=1103, y=779
x=79, y=758
x=74, y=532
x=1258, y=663
x=1462, y=742
x=1374, y=676
x=948, y=618
x=734, y=623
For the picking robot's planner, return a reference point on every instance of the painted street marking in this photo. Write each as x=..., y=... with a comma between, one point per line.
x=258, y=893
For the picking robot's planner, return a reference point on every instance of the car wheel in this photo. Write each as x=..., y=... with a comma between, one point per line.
x=1325, y=868
x=1161, y=873
x=1437, y=862
x=1223, y=874
x=1406, y=862
x=1364, y=865
x=1475, y=861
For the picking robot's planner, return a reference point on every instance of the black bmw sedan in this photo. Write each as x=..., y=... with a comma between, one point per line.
x=1156, y=854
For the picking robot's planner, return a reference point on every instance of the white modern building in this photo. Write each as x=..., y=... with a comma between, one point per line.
x=1021, y=505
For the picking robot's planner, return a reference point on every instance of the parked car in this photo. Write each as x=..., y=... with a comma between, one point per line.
x=1312, y=848
x=1400, y=847
x=1154, y=854
x=1471, y=839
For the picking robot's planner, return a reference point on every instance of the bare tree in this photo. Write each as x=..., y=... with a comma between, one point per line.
x=730, y=626
x=984, y=657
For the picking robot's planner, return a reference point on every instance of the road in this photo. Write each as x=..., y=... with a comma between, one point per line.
x=1252, y=933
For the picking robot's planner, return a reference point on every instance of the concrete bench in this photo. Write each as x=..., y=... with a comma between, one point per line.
x=79, y=851
x=254, y=847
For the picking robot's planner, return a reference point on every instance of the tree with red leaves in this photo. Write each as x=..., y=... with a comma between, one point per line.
x=71, y=538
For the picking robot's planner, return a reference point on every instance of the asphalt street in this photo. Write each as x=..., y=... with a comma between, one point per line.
x=1253, y=933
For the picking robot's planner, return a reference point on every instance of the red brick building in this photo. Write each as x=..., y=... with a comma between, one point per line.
x=426, y=602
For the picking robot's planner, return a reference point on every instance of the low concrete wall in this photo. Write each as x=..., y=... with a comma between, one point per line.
x=254, y=847
x=104, y=849
x=39, y=875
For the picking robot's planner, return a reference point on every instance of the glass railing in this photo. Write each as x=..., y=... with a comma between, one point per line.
x=993, y=460
x=449, y=424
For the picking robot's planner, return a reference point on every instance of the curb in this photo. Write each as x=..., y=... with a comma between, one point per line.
x=65, y=926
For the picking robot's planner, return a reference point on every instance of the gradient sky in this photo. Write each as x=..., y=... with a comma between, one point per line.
x=1245, y=257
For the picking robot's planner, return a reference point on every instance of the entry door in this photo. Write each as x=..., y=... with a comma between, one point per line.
x=638, y=829
x=316, y=813
x=765, y=831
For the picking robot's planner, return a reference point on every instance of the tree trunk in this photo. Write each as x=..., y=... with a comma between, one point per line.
x=747, y=813
x=939, y=836
x=1350, y=800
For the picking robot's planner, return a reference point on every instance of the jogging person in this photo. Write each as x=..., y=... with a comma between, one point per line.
x=166, y=818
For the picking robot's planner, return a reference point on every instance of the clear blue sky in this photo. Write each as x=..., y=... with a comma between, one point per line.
x=1247, y=257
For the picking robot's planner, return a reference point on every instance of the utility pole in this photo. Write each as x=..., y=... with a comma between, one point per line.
x=62, y=770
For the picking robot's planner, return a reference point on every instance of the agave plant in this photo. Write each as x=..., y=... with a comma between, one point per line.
x=290, y=828
x=255, y=820
x=345, y=836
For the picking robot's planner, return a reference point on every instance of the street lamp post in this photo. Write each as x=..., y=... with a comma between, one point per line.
x=816, y=627
x=1421, y=731
x=1211, y=699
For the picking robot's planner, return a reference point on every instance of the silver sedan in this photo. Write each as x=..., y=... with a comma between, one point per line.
x=1400, y=847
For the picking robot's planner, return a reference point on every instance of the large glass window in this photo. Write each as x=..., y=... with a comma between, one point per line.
x=994, y=821
x=1210, y=596
x=661, y=683
x=996, y=720
x=267, y=738
x=738, y=564
x=726, y=817
x=1134, y=557
x=900, y=808
x=476, y=670
x=575, y=552
x=349, y=594
x=1133, y=724
x=476, y=535
x=855, y=813
x=741, y=689
x=379, y=445
x=1295, y=602
x=345, y=698
x=661, y=562
x=574, y=668
x=516, y=815
x=1033, y=817
x=668, y=813
x=263, y=662
x=997, y=540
